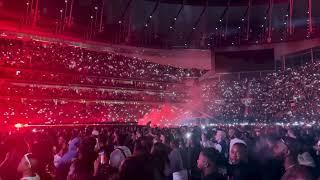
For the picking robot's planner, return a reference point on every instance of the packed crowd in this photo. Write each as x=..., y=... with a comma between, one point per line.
x=38, y=72
x=63, y=58
x=144, y=153
x=76, y=93
x=285, y=96
x=54, y=111
x=48, y=83
x=23, y=75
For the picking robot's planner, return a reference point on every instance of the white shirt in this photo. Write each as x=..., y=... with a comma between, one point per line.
x=36, y=177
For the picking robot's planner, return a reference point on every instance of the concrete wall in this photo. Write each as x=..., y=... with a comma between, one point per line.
x=280, y=49
x=186, y=58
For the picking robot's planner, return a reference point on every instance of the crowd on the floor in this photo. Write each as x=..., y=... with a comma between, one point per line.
x=145, y=153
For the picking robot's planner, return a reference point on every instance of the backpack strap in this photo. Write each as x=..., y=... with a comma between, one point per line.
x=124, y=154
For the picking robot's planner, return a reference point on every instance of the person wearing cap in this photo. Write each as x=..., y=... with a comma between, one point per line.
x=239, y=167
x=95, y=135
x=286, y=150
x=236, y=138
x=28, y=167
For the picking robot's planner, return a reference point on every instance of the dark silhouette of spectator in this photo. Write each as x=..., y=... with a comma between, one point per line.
x=207, y=163
x=139, y=165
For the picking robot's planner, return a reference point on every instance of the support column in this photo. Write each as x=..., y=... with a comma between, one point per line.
x=35, y=15
x=70, y=13
x=310, y=16
x=101, y=17
x=65, y=15
x=227, y=21
x=270, y=21
x=248, y=18
x=291, y=5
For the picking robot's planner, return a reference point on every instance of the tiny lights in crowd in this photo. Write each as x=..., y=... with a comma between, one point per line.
x=42, y=104
x=141, y=82
x=188, y=135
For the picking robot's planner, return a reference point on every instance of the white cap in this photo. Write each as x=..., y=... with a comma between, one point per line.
x=306, y=160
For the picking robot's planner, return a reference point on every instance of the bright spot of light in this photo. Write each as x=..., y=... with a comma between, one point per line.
x=18, y=125
x=188, y=135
